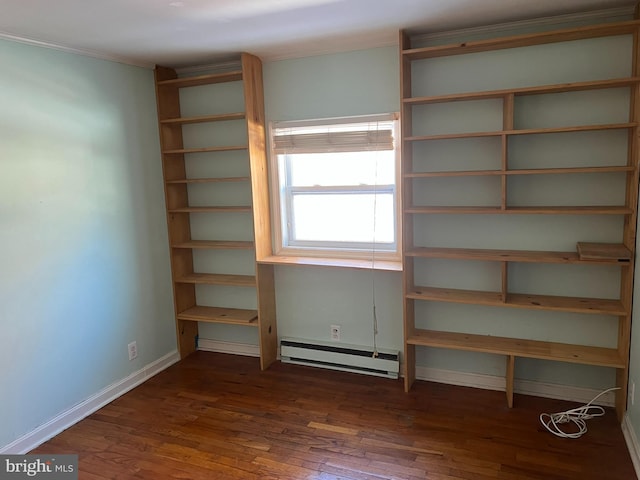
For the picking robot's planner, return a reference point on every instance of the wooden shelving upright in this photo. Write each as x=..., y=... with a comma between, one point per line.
x=174, y=152
x=621, y=256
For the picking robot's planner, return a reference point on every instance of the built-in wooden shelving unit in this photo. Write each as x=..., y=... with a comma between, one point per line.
x=596, y=254
x=175, y=155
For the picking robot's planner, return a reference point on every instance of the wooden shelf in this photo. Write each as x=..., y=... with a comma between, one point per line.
x=204, y=149
x=529, y=171
x=221, y=209
x=606, y=357
x=511, y=125
x=539, y=90
x=233, y=316
x=524, y=131
x=495, y=255
x=218, y=279
x=246, y=119
x=577, y=210
x=223, y=117
x=232, y=76
x=215, y=244
x=603, y=251
x=517, y=300
x=516, y=41
x=333, y=262
x=208, y=180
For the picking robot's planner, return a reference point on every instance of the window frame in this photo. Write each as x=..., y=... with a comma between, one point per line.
x=338, y=250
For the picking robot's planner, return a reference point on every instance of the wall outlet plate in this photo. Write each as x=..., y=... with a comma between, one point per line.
x=133, y=350
x=335, y=332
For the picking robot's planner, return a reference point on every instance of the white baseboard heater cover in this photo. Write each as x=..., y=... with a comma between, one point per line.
x=337, y=356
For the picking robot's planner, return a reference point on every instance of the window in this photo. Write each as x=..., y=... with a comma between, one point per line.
x=335, y=187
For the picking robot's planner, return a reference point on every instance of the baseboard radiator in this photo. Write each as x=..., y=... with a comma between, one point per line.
x=336, y=356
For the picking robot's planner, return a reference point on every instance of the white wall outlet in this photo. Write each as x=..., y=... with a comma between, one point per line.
x=335, y=332
x=632, y=392
x=133, y=350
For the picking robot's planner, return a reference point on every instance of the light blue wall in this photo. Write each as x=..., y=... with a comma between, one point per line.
x=83, y=242
x=311, y=299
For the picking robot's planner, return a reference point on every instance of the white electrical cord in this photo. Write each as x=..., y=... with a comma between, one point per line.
x=577, y=416
x=373, y=256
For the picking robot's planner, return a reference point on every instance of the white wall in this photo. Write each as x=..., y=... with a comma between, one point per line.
x=83, y=242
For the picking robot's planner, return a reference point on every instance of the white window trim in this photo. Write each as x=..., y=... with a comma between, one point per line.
x=338, y=253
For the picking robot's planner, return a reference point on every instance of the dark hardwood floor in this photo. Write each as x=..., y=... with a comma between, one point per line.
x=215, y=416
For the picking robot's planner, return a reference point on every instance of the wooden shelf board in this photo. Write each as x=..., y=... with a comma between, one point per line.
x=220, y=209
x=233, y=316
x=218, y=279
x=607, y=357
x=575, y=210
x=569, y=34
x=494, y=255
x=215, y=244
x=516, y=300
x=333, y=262
x=603, y=251
x=209, y=180
x=538, y=90
x=203, y=119
x=522, y=131
x=529, y=171
x=204, y=149
x=209, y=79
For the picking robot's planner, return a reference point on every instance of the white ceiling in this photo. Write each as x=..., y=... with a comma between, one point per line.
x=189, y=32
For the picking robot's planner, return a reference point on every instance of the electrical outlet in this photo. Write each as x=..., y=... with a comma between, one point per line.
x=133, y=350
x=632, y=392
x=335, y=332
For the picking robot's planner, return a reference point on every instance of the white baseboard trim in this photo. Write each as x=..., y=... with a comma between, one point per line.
x=526, y=387
x=85, y=408
x=248, y=350
x=632, y=443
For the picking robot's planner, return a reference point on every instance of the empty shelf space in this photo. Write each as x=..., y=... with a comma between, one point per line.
x=569, y=34
x=218, y=279
x=203, y=119
x=204, y=149
x=209, y=180
x=209, y=79
x=517, y=300
x=569, y=210
x=607, y=357
x=529, y=171
x=540, y=90
x=533, y=256
x=233, y=316
x=603, y=251
x=524, y=131
x=215, y=244
x=220, y=209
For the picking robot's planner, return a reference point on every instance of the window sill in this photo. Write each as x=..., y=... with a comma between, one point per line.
x=333, y=262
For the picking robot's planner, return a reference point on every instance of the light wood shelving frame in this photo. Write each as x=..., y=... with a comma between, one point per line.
x=187, y=312
x=588, y=254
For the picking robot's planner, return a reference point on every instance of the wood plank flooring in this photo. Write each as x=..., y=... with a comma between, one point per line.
x=215, y=416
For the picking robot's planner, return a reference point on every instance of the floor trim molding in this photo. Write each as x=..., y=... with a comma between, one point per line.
x=632, y=443
x=525, y=387
x=85, y=408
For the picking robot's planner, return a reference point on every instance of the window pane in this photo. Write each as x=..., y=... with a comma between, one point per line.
x=346, y=168
x=343, y=218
